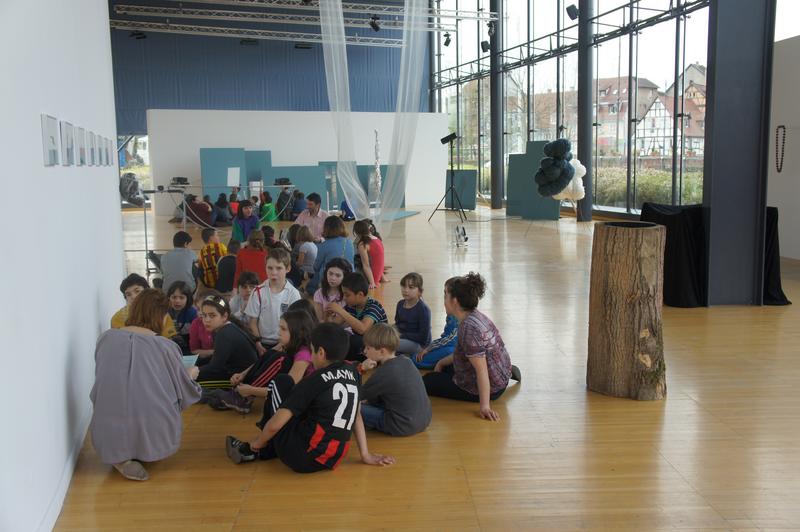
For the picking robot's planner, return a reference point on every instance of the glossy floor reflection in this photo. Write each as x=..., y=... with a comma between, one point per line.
x=721, y=452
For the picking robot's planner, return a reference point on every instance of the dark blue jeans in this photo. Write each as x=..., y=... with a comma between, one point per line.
x=373, y=417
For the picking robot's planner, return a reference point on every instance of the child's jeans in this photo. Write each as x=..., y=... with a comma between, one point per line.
x=373, y=417
x=408, y=347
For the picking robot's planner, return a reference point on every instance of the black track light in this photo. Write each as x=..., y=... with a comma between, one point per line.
x=485, y=46
x=138, y=35
x=374, y=24
x=447, y=39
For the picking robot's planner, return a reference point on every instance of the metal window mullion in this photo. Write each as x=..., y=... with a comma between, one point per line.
x=632, y=92
x=677, y=112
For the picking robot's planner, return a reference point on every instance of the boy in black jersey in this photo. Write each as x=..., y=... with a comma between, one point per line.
x=311, y=421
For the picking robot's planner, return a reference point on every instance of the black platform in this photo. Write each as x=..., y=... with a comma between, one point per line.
x=685, y=255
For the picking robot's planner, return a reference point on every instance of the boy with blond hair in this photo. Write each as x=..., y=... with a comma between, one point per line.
x=395, y=401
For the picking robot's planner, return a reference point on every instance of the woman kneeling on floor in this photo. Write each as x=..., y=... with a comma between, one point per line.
x=140, y=388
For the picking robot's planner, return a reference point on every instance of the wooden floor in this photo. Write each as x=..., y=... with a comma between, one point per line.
x=721, y=452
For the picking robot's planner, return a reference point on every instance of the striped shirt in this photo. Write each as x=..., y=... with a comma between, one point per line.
x=209, y=257
x=372, y=310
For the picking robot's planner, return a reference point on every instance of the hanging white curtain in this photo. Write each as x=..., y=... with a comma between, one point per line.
x=338, y=81
x=409, y=95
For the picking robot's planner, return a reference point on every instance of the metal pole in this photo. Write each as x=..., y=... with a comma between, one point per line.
x=677, y=112
x=633, y=85
x=496, y=106
x=452, y=178
x=585, y=119
x=146, y=249
x=558, y=69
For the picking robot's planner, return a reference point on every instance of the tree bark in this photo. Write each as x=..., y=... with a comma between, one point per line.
x=626, y=344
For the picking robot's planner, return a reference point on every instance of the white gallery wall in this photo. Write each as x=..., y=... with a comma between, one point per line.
x=783, y=189
x=62, y=248
x=295, y=138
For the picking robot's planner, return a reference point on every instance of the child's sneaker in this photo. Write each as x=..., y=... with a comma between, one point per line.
x=238, y=451
x=236, y=402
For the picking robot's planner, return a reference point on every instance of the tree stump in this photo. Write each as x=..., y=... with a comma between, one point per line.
x=626, y=344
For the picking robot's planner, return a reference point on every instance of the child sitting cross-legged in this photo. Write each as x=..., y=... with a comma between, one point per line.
x=310, y=423
x=412, y=316
x=234, y=348
x=291, y=355
x=361, y=312
x=394, y=397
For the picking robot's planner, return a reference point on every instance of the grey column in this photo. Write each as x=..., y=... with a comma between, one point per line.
x=585, y=114
x=496, y=104
x=739, y=85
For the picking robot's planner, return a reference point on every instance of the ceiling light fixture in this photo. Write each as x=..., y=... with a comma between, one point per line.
x=374, y=24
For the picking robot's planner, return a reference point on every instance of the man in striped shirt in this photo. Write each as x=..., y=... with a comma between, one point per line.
x=311, y=422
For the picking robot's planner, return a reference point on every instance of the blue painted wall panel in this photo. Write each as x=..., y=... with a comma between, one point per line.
x=258, y=164
x=166, y=71
x=214, y=164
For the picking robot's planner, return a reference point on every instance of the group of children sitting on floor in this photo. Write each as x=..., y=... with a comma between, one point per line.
x=305, y=355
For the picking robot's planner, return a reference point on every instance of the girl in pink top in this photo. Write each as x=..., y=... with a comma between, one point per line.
x=330, y=290
x=201, y=342
x=369, y=248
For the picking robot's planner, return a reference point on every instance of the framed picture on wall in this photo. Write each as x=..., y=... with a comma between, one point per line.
x=50, y=140
x=67, y=144
x=101, y=152
x=108, y=152
x=80, y=147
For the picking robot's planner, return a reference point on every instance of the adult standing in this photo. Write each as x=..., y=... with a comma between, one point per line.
x=313, y=216
x=140, y=388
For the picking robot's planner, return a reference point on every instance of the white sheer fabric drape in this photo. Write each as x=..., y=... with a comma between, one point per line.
x=338, y=81
x=409, y=94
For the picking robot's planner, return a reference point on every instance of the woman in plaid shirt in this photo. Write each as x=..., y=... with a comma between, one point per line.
x=479, y=369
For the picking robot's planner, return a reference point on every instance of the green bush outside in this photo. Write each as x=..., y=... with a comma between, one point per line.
x=651, y=186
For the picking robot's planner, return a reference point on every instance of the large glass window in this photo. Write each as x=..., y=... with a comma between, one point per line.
x=654, y=114
x=516, y=111
x=468, y=153
x=610, y=104
x=544, y=100
x=646, y=147
x=135, y=159
x=485, y=140
x=693, y=87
